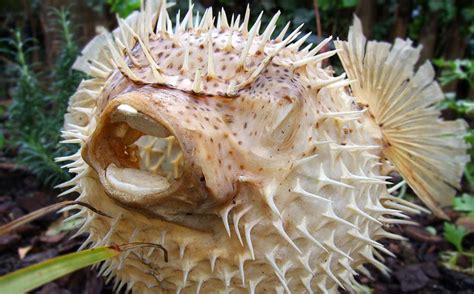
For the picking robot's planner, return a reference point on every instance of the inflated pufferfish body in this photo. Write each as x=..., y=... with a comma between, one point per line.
x=255, y=167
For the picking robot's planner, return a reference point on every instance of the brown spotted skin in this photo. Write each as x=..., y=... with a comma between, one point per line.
x=251, y=164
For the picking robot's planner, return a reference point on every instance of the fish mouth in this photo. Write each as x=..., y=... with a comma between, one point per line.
x=136, y=154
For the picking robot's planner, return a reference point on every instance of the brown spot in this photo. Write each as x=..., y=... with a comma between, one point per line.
x=287, y=98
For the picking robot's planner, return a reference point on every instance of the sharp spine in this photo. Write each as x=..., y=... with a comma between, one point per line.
x=318, y=48
x=278, y=224
x=315, y=59
x=211, y=73
x=245, y=23
x=267, y=34
x=248, y=44
x=303, y=228
x=236, y=218
x=197, y=84
x=224, y=23
x=248, y=238
x=295, y=46
x=282, y=34
x=185, y=66
x=299, y=189
x=224, y=213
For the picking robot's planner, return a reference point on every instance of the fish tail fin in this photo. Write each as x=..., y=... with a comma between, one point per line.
x=428, y=152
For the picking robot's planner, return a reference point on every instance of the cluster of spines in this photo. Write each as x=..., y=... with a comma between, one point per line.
x=391, y=205
x=373, y=212
x=120, y=46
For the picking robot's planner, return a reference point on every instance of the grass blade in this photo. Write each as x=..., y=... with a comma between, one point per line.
x=34, y=276
x=39, y=274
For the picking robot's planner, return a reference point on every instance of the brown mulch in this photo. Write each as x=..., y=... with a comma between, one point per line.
x=20, y=194
x=416, y=269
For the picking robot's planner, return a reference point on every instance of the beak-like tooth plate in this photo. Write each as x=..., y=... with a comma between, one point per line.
x=135, y=182
x=139, y=121
x=127, y=109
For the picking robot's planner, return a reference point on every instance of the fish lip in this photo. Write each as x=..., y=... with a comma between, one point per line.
x=93, y=153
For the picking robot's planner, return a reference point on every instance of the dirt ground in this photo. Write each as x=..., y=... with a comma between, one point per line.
x=416, y=269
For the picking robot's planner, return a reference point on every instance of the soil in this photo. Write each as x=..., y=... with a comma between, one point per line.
x=415, y=269
x=20, y=194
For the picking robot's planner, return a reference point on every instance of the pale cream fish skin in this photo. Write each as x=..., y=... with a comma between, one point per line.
x=251, y=163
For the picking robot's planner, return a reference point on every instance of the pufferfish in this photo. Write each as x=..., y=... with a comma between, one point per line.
x=251, y=163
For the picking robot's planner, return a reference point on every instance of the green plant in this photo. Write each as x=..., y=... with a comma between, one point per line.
x=455, y=234
x=465, y=203
x=458, y=69
x=34, y=276
x=123, y=7
x=460, y=106
x=36, y=113
x=31, y=277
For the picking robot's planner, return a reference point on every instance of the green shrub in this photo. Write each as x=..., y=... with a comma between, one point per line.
x=35, y=116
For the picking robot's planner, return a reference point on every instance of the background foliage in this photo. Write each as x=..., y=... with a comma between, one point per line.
x=40, y=39
x=36, y=112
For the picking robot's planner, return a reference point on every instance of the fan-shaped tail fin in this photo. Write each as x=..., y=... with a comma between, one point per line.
x=428, y=152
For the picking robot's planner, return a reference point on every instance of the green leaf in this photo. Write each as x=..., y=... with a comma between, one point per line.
x=349, y=3
x=31, y=277
x=457, y=69
x=454, y=235
x=2, y=139
x=324, y=4
x=34, y=276
x=36, y=113
x=123, y=7
x=431, y=230
x=464, y=203
x=469, y=174
x=469, y=138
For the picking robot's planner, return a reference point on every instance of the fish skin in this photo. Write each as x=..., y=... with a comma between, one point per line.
x=276, y=168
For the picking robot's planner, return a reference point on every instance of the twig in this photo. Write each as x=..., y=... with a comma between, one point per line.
x=318, y=19
x=13, y=225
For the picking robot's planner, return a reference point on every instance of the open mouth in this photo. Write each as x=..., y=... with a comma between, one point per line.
x=135, y=156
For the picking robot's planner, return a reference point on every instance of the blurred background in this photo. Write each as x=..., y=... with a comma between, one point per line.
x=40, y=39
